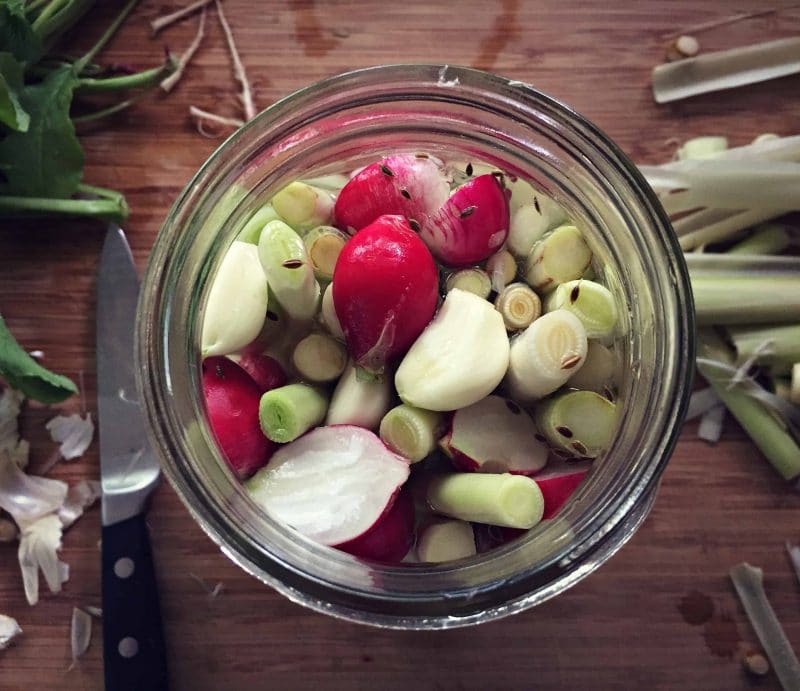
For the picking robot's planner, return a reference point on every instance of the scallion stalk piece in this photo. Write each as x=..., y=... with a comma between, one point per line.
x=591, y=302
x=580, y=423
x=252, y=229
x=410, y=431
x=474, y=281
x=771, y=238
x=560, y=256
x=287, y=412
x=748, y=299
x=598, y=371
x=519, y=305
x=324, y=243
x=302, y=206
x=319, y=358
x=776, y=345
x=511, y=501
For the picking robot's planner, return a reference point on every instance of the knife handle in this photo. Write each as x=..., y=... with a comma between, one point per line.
x=133, y=640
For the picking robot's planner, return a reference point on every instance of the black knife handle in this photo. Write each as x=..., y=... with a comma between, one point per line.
x=133, y=640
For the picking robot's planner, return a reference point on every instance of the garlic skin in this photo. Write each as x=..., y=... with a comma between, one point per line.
x=237, y=302
x=9, y=630
x=74, y=433
x=460, y=357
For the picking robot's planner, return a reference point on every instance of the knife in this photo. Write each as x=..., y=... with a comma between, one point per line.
x=133, y=642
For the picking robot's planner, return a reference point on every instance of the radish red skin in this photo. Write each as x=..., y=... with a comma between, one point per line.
x=558, y=482
x=264, y=370
x=385, y=291
x=390, y=537
x=472, y=225
x=232, y=399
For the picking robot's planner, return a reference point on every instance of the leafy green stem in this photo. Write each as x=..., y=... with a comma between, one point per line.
x=103, y=209
x=107, y=34
x=104, y=112
x=138, y=80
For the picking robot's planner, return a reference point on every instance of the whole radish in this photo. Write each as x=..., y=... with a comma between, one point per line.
x=392, y=535
x=385, y=290
x=471, y=225
x=410, y=185
x=232, y=399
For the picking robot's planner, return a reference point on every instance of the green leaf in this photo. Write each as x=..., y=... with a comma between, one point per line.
x=24, y=374
x=47, y=160
x=16, y=33
x=11, y=111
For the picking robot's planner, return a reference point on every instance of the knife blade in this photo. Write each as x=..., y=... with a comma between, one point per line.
x=133, y=642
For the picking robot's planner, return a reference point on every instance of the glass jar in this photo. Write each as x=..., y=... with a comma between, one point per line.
x=457, y=113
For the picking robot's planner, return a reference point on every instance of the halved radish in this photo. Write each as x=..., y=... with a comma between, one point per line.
x=495, y=436
x=392, y=535
x=264, y=370
x=471, y=226
x=558, y=481
x=232, y=400
x=331, y=485
x=410, y=185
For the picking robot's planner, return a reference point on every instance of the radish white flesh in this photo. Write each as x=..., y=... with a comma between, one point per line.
x=360, y=402
x=495, y=435
x=331, y=485
x=237, y=302
x=459, y=358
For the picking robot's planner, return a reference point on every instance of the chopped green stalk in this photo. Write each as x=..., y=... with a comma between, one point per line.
x=502, y=269
x=713, y=265
x=139, y=80
x=728, y=226
x=532, y=215
x=302, y=206
x=103, y=209
x=794, y=391
x=598, y=371
x=590, y=302
x=519, y=305
x=474, y=281
x=290, y=411
x=252, y=229
x=511, y=501
x=446, y=540
x=560, y=256
x=775, y=345
x=324, y=243
x=289, y=271
x=319, y=358
x=702, y=147
x=328, y=314
x=715, y=363
x=581, y=423
x=106, y=37
x=749, y=299
x=771, y=238
x=410, y=431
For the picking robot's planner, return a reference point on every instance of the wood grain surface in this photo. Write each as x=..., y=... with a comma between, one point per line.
x=625, y=627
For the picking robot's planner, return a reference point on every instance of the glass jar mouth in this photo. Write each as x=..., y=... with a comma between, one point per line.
x=527, y=131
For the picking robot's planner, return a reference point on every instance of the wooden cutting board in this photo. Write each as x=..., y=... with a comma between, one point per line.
x=661, y=614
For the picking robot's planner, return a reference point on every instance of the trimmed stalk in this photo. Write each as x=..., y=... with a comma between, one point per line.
x=139, y=80
x=290, y=411
x=328, y=314
x=712, y=265
x=560, y=256
x=770, y=435
x=502, y=269
x=288, y=269
x=590, y=302
x=581, y=423
x=103, y=209
x=410, y=431
x=359, y=402
x=771, y=238
x=302, y=206
x=510, y=501
x=546, y=354
x=252, y=229
x=446, y=541
x=723, y=225
x=746, y=300
x=474, y=281
x=598, y=370
x=319, y=358
x=518, y=305
x=702, y=147
x=324, y=243
x=775, y=345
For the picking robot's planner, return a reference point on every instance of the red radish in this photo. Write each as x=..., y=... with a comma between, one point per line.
x=409, y=185
x=385, y=290
x=471, y=225
x=264, y=370
x=392, y=535
x=494, y=435
x=558, y=481
x=331, y=485
x=232, y=399
x=487, y=537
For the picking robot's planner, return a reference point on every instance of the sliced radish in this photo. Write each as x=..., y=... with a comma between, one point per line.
x=558, y=481
x=331, y=485
x=264, y=370
x=232, y=400
x=392, y=535
x=410, y=185
x=495, y=436
x=471, y=226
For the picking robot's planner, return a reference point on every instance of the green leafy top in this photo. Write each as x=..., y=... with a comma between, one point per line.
x=16, y=32
x=24, y=374
x=12, y=113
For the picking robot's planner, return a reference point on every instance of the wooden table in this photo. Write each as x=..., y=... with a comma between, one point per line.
x=621, y=628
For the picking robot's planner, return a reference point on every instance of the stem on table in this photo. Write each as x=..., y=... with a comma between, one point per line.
x=745, y=300
x=103, y=209
x=777, y=345
x=139, y=80
x=81, y=63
